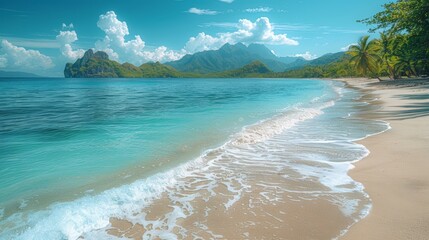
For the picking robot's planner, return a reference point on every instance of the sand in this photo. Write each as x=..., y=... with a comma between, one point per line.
x=396, y=173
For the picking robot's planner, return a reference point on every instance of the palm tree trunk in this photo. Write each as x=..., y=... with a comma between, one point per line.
x=389, y=68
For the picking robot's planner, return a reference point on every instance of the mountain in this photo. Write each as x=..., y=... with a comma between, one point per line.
x=228, y=57
x=289, y=60
x=98, y=65
x=6, y=74
x=261, y=51
x=323, y=60
x=327, y=59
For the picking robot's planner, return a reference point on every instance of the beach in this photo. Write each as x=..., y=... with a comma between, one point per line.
x=395, y=173
x=254, y=159
x=295, y=167
x=260, y=159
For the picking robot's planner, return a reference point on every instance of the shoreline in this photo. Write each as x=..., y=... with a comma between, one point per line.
x=260, y=193
x=228, y=192
x=313, y=214
x=394, y=174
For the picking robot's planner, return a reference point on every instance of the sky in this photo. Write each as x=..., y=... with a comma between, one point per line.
x=40, y=36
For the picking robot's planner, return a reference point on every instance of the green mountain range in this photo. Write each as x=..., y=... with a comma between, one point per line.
x=230, y=57
x=236, y=60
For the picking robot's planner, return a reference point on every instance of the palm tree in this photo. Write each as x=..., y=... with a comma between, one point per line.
x=386, y=43
x=365, y=55
x=405, y=61
x=405, y=56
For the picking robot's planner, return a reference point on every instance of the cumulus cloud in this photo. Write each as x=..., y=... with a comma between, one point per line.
x=19, y=58
x=307, y=56
x=202, y=11
x=203, y=42
x=133, y=51
x=261, y=31
x=65, y=39
x=162, y=54
x=258, y=10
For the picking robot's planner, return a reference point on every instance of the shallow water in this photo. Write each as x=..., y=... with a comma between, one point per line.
x=76, y=153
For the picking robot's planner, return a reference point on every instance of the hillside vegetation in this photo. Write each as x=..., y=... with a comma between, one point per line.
x=98, y=65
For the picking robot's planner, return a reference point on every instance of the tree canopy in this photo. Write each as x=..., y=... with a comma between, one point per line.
x=405, y=25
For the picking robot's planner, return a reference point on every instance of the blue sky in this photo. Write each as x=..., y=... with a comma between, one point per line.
x=41, y=36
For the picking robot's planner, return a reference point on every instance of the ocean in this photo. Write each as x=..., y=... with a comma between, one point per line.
x=179, y=158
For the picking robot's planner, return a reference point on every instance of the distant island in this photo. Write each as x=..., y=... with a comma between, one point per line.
x=9, y=74
x=239, y=61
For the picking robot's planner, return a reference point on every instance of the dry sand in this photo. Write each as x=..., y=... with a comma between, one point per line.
x=396, y=173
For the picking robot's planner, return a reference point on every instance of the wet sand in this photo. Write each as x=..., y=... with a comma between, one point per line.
x=395, y=174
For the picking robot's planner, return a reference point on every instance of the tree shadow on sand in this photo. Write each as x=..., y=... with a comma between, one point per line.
x=409, y=111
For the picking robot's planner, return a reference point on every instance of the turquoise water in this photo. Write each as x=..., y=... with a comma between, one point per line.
x=76, y=152
x=59, y=135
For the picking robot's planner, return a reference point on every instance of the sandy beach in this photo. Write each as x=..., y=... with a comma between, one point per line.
x=292, y=175
x=395, y=173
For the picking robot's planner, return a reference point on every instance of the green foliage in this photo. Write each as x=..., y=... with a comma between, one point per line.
x=365, y=55
x=406, y=22
x=404, y=15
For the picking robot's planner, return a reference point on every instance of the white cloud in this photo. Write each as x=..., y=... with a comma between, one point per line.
x=258, y=10
x=261, y=31
x=65, y=39
x=346, y=48
x=203, y=42
x=307, y=56
x=162, y=54
x=227, y=1
x=202, y=11
x=132, y=51
x=19, y=58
